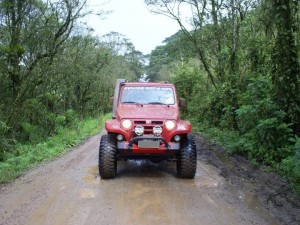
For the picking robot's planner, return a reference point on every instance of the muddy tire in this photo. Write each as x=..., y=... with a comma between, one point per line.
x=107, y=157
x=187, y=159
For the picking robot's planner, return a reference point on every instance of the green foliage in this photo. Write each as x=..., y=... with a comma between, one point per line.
x=31, y=154
x=228, y=138
x=176, y=52
x=6, y=144
x=291, y=165
x=285, y=62
x=262, y=124
x=61, y=121
x=190, y=85
x=186, y=81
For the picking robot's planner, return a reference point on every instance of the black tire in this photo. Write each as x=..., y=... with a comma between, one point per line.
x=187, y=159
x=107, y=157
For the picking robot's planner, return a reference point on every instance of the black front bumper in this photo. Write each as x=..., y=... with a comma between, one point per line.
x=134, y=145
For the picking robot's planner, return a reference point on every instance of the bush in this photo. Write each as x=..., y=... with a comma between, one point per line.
x=262, y=124
x=6, y=143
x=190, y=84
x=291, y=165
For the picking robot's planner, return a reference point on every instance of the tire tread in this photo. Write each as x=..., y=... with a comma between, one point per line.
x=187, y=159
x=107, y=157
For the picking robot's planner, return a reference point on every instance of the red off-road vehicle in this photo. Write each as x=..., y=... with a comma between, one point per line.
x=145, y=124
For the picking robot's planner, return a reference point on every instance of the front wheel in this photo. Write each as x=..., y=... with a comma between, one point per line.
x=187, y=159
x=107, y=157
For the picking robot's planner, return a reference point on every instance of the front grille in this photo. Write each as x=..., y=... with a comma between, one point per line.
x=148, y=125
x=139, y=122
x=154, y=122
x=157, y=122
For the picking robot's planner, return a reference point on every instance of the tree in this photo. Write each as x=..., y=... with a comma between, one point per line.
x=23, y=23
x=123, y=47
x=210, y=20
x=286, y=71
x=171, y=9
x=163, y=60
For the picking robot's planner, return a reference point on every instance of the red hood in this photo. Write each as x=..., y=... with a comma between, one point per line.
x=147, y=111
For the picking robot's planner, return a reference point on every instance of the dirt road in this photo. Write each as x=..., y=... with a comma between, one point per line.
x=69, y=191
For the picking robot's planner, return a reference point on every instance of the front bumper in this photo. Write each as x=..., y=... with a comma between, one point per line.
x=147, y=145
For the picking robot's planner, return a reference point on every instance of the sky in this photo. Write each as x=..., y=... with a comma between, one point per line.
x=132, y=19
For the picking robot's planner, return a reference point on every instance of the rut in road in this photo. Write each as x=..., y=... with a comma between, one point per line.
x=69, y=190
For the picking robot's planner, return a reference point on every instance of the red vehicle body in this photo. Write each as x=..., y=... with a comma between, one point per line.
x=146, y=124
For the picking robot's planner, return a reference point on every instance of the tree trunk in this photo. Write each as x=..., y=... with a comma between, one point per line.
x=286, y=71
x=217, y=34
x=14, y=12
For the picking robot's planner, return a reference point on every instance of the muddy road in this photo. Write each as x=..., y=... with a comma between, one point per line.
x=68, y=190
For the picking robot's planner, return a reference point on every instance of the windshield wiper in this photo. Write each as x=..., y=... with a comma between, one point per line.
x=156, y=103
x=130, y=102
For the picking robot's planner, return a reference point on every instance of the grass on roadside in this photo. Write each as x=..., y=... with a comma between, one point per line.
x=32, y=154
x=227, y=138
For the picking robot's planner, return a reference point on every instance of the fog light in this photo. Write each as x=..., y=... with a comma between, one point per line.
x=120, y=137
x=157, y=130
x=139, y=130
x=176, y=138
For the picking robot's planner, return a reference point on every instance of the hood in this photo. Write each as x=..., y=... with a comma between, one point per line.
x=160, y=112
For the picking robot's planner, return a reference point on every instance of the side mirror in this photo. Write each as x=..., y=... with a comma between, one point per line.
x=111, y=100
x=182, y=102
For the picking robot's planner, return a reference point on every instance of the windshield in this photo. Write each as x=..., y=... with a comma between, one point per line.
x=148, y=95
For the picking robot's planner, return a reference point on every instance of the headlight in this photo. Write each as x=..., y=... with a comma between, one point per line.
x=126, y=124
x=170, y=124
x=139, y=130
